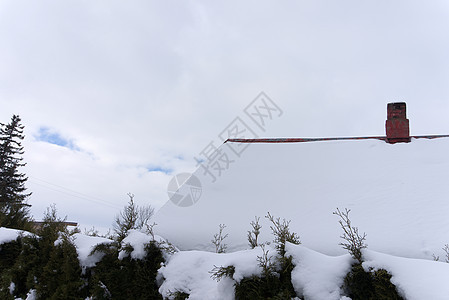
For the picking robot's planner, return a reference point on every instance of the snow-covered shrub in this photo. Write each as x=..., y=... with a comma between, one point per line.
x=8, y=254
x=275, y=279
x=47, y=263
x=55, y=263
x=359, y=283
x=128, y=265
x=372, y=285
x=281, y=233
x=179, y=295
x=125, y=277
x=268, y=285
x=22, y=270
x=61, y=276
x=217, y=273
x=383, y=288
x=132, y=217
x=354, y=242
x=254, y=287
x=267, y=262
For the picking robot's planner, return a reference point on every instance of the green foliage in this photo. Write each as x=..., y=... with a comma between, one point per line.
x=61, y=276
x=217, y=273
x=384, y=289
x=359, y=284
x=275, y=280
x=374, y=285
x=9, y=252
x=14, y=211
x=285, y=276
x=127, y=278
x=178, y=295
x=266, y=263
x=254, y=287
x=52, y=270
x=47, y=262
x=132, y=217
x=275, y=285
x=25, y=268
x=51, y=224
x=112, y=278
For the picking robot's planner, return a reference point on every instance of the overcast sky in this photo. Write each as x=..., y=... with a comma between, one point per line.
x=119, y=96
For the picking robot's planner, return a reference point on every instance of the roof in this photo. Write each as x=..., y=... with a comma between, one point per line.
x=303, y=140
x=397, y=194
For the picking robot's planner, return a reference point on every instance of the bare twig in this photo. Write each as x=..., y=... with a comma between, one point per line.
x=282, y=234
x=355, y=241
x=218, y=239
x=254, y=233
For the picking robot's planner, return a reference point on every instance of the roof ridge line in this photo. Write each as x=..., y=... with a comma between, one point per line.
x=303, y=140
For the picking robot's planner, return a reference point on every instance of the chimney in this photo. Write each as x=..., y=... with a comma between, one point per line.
x=397, y=124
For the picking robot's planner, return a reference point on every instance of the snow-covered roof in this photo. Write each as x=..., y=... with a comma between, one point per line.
x=397, y=193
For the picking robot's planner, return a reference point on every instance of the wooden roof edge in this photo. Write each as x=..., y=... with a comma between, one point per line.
x=303, y=140
x=65, y=223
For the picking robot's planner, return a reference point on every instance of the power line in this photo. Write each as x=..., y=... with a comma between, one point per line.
x=72, y=193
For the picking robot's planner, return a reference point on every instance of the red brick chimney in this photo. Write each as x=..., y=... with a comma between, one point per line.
x=397, y=124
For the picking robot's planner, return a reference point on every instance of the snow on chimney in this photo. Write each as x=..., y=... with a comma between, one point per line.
x=397, y=124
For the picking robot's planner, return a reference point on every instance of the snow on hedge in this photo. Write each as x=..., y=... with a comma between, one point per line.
x=189, y=272
x=415, y=279
x=8, y=235
x=138, y=240
x=84, y=245
x=315, y=275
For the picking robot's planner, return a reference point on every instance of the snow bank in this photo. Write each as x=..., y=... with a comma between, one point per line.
x=415, y=279
x=317, y=276
x=84, y=245
x=8, y=235
x=189, y=272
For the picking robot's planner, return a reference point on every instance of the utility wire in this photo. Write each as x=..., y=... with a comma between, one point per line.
x=72, y=193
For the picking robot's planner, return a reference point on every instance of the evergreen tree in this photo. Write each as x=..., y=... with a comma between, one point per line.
x=14, y=211
x=132, y=217
x=61, y=276
x=46, y=262
x=127, y=278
